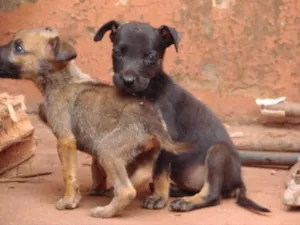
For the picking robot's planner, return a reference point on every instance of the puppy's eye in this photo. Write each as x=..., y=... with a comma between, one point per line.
x=117, y=53
x=151, y=58
x=18, y=47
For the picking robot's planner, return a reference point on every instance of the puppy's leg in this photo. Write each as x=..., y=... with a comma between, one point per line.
x=176, y=192
x=67, y=152
x=144, y=172
x=138, y=178
x=99, y=179
x=210, y=193
x=42, y=112
x=124, y=191
x=161, y=182
x=142, y=175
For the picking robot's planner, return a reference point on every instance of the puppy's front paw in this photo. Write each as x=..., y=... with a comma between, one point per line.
x=101, y=192
x=68, y=202
x=102, y=212
x=96, y=192
x=180, y=205
x=154, y=202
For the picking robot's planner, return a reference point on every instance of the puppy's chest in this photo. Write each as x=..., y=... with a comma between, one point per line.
x=168, y=118
x=162, y=120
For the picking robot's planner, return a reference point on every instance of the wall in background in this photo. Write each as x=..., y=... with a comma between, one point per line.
x=232, y=51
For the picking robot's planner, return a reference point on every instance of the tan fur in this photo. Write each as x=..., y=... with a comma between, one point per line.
x=161, y=192
x=197, y=198
x=66, y=147
x=119, y=132
x=142, y=175
x=162, y=185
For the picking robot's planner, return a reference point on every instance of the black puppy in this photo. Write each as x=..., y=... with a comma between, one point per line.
x=212, y=168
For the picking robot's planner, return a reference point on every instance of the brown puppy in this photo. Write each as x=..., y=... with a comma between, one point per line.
x=119, y=132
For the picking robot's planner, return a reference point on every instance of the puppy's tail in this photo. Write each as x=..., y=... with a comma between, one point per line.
x=245, y=202
x=174, y=147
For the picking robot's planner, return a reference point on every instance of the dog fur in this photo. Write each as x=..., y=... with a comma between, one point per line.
x=212, y=168
x=123, y=136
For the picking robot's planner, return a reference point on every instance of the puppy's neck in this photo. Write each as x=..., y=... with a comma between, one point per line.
x=69, y=74
x=157, y=86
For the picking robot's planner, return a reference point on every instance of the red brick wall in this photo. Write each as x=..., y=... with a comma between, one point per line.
x=232, y=51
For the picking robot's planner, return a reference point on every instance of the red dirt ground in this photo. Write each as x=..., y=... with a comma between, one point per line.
x=33, y=203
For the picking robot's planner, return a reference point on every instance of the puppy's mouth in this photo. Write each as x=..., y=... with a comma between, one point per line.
x=8, y=69
x=137, y=87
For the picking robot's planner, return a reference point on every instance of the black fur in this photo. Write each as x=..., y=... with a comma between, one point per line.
x=109, y=26
x=138, y=51
x=7, y=69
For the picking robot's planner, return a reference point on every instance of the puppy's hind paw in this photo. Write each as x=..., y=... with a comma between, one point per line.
x=180, y=205
x=154, y=202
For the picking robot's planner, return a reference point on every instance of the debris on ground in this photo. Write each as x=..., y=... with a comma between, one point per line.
x=291, y=195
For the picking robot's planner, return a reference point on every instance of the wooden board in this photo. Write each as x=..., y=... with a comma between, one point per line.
x=16, y=154
x=14, y=122
x=16, y=132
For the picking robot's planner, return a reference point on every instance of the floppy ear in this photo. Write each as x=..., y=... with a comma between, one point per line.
x=63, y=50
x=169, y=35
x=112, y=25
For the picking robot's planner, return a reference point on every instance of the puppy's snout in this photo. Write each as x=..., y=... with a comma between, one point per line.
x=128, y=77
x=4, y=52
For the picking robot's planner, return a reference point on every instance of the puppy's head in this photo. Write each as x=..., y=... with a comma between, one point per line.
x=34, y=52
x=138, y=51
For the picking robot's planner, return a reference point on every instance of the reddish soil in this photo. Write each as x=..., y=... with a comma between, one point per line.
x=33, y=203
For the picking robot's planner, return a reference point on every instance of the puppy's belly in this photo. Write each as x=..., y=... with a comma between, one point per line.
x=93, y=143
x=191, y=178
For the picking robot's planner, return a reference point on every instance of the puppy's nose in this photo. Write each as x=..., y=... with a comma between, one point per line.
x=128, y=79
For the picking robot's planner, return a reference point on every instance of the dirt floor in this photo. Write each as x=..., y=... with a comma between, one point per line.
x=33, y=203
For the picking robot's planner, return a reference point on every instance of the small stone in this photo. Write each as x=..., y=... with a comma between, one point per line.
x=273, y=172
x=291, y=195
x=141, y=103
x=237, y=135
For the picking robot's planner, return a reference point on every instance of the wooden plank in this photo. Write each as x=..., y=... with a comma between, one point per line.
x=285, y=109
x=14, y=122
x=16, y=133
x=12, y=132
x=269, y=145
x=17, y=153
